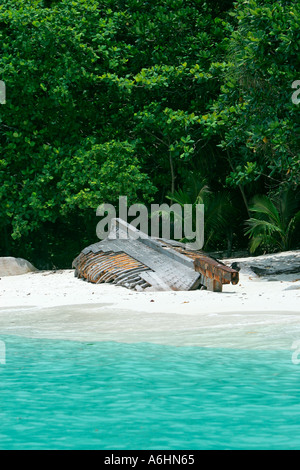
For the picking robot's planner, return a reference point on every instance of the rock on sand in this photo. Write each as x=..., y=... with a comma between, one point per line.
x=15, y=266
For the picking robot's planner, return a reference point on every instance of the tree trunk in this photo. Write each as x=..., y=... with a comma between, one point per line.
x=240, y=188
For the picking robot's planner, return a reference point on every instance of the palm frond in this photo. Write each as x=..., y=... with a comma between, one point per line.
x=288, y=203
x=264, y=206
x=274, y=221
x=294, y=224
x=255, y=243
x=180, y=196
x=261, y=227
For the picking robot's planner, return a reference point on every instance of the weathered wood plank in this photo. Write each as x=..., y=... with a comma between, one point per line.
x=218, y=272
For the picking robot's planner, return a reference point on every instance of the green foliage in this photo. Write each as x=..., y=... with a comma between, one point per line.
x=55, y=157
x=275, y=222
x=110, y=98
x=218, y=211
x=254, y=117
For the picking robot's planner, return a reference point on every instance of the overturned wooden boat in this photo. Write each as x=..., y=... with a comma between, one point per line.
x=130, y=258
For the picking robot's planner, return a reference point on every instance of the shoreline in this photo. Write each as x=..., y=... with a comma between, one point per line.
x=257, y=313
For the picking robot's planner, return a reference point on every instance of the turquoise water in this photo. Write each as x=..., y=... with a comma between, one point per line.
x=106, y=395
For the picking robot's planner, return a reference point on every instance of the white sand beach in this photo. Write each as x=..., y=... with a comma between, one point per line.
x=259, y=312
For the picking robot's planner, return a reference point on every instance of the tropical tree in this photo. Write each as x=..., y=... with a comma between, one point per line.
x=275, y=222
x=220, y=216
x=79, y=75
x=254, y=118
x=106, y=97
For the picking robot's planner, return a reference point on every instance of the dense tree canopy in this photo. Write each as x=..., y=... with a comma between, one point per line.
x=142, y=99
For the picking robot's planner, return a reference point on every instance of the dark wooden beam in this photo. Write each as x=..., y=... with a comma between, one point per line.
x=214, y=273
